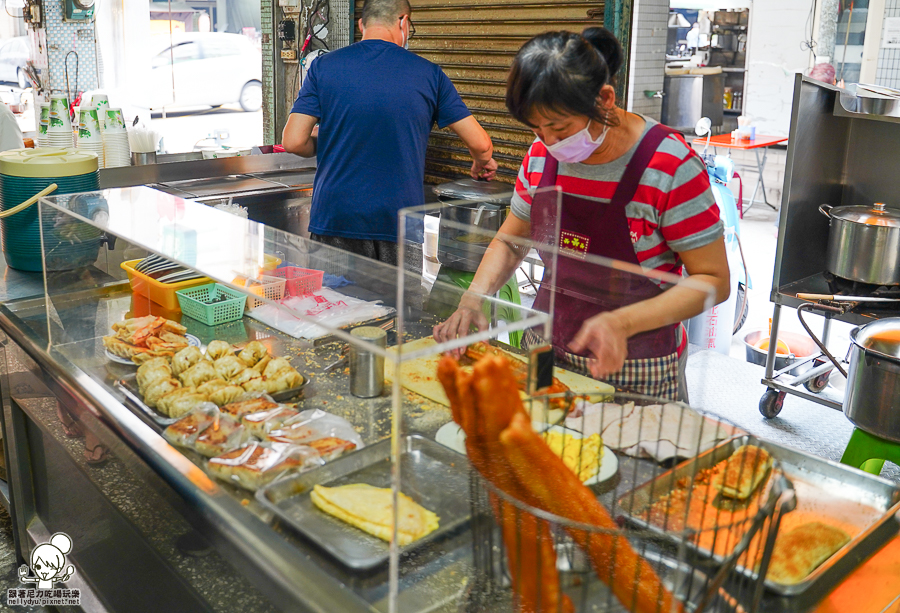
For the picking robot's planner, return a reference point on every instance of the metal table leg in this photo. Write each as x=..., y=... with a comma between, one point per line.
x=760, y=167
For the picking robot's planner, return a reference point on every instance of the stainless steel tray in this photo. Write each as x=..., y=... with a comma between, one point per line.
x=867, y=507
x=432, y=475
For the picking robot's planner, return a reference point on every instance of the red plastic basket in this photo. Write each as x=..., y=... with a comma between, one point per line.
x=299, y=281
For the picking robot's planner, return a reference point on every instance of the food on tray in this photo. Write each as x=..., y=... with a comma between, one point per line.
x=224, y=395
x=739, y=475
x=186, y=358
x=261, y=422
x=256, y=465
x=245, y=376
x=284, y=380
x=180, y=402
x=211, y=386
x=229, y=366
x=331, y=447
x=218, y=349
x=152, y=370
x=260, y=366
x=146, y=335
x=156, y=390
x=296, y=433
x=244, y=407
x=800, y=551
x=583, y=456
x=220, y=436
x=276, y=366
x=185, y=430
x=371, y=509
x=256, y=385
x=253, y=352
x=199, y=373
x=504, y=448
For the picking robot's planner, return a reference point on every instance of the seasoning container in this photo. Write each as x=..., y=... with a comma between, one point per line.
x=367, y=368
x=728, y=98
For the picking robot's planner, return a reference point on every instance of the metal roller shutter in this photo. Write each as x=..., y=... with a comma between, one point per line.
x=475, y=42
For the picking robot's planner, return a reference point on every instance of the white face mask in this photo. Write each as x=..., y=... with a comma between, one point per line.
x=578, y=147
x=405, y=38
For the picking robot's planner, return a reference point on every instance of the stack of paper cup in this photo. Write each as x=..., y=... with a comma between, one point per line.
x=89, y=137
x=59, y=130
x=101, y=101
x=115, y=139
x=44, y=124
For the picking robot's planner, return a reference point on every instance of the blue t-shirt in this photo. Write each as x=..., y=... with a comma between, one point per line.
x=376, y=103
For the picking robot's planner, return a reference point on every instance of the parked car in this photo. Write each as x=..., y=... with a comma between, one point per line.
x=209, y=68
x=14, y=53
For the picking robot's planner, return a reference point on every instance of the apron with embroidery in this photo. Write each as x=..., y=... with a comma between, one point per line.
x=584, y=289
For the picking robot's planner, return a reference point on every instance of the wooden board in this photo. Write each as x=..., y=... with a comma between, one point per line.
x=420, y=375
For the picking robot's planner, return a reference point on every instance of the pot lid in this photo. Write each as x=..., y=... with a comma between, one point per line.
x=47, y=162
x=882, y=336
x=491, y=192
x=876, y=215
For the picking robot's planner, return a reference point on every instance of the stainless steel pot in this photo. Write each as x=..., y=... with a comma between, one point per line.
x=872, y=398
x=864, y=243
x=471, y=213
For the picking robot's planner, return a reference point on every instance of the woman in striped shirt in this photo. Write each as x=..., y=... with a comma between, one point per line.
x=632, y=190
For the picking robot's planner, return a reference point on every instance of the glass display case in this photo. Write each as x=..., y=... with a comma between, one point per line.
x=211, y=477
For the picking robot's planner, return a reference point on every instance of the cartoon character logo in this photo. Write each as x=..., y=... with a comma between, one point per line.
x=48, y=562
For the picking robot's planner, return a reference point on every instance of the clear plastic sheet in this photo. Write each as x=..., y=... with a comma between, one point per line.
x=258, y=464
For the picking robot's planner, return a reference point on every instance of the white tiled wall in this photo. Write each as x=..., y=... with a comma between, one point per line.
x=648, y=55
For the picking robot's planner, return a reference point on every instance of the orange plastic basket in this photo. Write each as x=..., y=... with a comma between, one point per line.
x=162, y=294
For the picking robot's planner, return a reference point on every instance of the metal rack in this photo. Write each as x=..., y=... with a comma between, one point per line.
x=837, y=157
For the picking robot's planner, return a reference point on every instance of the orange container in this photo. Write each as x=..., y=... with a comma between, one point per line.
x=162, y=294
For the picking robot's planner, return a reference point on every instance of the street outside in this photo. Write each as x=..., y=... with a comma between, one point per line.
x=182, y=130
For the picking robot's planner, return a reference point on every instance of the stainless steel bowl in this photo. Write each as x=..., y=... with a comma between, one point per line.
x=801, y=347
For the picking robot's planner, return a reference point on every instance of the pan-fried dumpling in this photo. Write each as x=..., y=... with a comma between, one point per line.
x=253, y=353
x=218, y=349
x=285, y=380
x=276, y=366
x=180, y=402
x=256, y=385
x=226, y=395
x=229, y=366
x=186, y=358
x=153, y=370
x=156, y=390
x=244, y=376
x=198, y=374
x=211, y=386
x=260, y=366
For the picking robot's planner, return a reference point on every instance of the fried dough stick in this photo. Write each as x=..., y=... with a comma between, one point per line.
x=561, y=492
x=520, y=373
x=529, y=545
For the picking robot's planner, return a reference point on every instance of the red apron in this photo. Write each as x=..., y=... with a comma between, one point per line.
x=584, y=289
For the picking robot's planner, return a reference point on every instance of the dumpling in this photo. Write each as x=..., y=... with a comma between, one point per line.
x=185, y=358
x=198, y=374
x=256, y=385
x=285, y=380
x=218, y=349
x=229, y=366
x=253, y=353
x=158, y=389
x=211, y=386
x=153, y=370
x=180, y=402
x=245, y=375
x=260, y=366
x=226, y=395
x=276, y=366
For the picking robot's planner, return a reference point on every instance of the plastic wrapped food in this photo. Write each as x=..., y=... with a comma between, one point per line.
x=223, y=434
x=331, y=447
x=185, y=358
x=229, y=367
x=158, y=389
x=253, y=352
x=251, y=405
x=313, y=425
x=153, y=370
x=180, y=402
x=256, y=465
x=198, y=374
x=262, y=422
x=184, y=431
x=218, y=349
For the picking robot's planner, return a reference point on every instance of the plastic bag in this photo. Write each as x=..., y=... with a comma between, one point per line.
x=326, y=306
x=223, y=434
x=329, y=434
x=261, y=423
x=186, y=430
x=258, y=464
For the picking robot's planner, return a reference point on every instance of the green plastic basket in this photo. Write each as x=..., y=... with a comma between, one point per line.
x=194, y=303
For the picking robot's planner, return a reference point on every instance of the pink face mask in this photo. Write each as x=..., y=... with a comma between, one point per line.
x=578, y=147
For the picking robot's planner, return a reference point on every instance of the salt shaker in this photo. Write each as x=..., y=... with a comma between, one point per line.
x=367, y=368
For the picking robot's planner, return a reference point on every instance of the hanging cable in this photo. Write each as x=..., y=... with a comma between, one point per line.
x=810, y=43
x=68, y=86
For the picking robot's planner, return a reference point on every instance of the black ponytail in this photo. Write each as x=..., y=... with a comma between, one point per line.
x=563, y=72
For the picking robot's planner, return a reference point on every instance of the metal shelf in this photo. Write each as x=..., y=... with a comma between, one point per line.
x=840, y=111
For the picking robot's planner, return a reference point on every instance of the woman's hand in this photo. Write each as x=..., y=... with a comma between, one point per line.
x=466, y=317
x=606, y=337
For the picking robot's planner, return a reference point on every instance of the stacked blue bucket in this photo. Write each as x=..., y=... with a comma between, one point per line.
x=69, y=243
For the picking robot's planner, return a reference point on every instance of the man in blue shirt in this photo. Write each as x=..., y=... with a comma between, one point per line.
x=375, y=104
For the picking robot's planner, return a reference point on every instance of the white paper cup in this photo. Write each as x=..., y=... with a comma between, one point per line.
x=89, y=126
